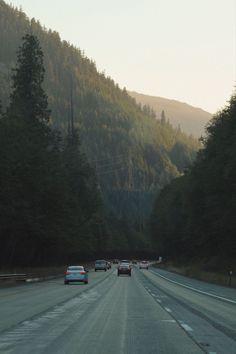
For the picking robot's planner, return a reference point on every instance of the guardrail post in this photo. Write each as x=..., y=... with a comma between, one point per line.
x=230, y=277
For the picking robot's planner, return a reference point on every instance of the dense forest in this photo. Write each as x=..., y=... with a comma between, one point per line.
x=194, y=216
x=131, y=153
x=49, y=199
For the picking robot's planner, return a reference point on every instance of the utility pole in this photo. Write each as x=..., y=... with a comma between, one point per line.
x=130, y=175
x=71, y=110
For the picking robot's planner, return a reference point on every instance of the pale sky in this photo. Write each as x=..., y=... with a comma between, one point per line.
x=178, y=49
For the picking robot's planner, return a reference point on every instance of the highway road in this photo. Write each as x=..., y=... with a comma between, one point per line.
x=153, y=311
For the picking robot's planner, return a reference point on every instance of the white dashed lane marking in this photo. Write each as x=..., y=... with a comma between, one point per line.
x=168, y=310
x=186, y=327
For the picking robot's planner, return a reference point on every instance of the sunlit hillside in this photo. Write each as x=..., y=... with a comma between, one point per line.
x=192, y=120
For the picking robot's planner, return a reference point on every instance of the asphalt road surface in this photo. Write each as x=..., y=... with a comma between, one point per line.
x=153, y=311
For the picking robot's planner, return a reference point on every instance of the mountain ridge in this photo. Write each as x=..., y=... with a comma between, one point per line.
x=191, y=119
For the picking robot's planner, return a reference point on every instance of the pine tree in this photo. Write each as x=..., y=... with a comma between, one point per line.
x=28, y=100
x=163, y=117
x=31, y=182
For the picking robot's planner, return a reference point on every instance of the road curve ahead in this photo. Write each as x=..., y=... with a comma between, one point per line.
x=109, y=315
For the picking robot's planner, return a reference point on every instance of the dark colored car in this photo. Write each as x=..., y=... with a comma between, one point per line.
x=124, y=268
x=100, y=265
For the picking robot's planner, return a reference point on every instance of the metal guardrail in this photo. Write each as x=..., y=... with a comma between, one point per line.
x=36, y=275
x=15, y=276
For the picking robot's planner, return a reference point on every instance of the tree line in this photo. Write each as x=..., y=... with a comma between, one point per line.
x=194, y=216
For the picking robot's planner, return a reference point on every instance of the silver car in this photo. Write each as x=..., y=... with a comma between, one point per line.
x=76, y=274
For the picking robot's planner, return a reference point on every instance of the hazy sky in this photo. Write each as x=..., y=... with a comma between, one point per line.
x=178, y=49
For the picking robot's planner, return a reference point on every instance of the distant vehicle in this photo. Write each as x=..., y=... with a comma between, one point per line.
x=143, y=265
x=76, y=274
x=126, y=261
x=134, y=261
x=124, y=268
x=108, y=265
x=115, y=261
x=100, y=265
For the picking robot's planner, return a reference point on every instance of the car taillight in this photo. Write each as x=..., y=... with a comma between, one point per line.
x=82, y=273
x=67, y=273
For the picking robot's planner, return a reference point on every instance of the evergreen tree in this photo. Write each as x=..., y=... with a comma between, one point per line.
x=30, y=206
x=28, y=100
x=163, y=117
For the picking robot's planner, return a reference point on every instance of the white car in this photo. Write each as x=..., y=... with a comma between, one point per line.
x=143, y=265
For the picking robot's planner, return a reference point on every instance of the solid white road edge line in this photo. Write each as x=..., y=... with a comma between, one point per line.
x=194, y=289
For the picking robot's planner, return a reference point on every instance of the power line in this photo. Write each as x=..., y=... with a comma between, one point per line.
x=111, y=171
x=108, y=158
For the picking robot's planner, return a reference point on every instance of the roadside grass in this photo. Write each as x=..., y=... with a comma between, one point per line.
x=200, y=271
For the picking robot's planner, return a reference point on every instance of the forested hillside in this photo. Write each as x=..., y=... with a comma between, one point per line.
x=192, y=120
x=133, y=153
x=49, y=199
x=194, y=216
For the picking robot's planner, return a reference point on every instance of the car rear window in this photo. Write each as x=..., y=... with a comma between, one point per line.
x=76, y=268
x=100, y=262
